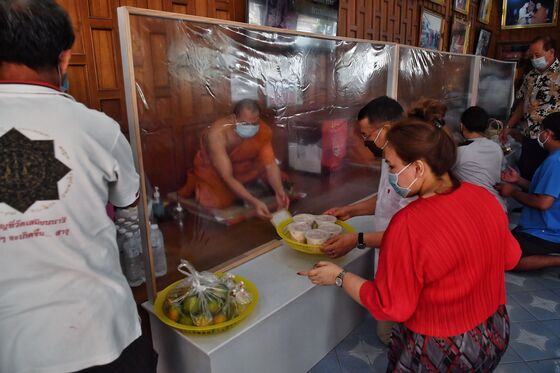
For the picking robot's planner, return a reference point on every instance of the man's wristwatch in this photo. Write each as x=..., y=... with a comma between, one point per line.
x=339, y=278
x=361, y=244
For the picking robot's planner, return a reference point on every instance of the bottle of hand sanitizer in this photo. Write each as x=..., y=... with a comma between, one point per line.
x=157, y=206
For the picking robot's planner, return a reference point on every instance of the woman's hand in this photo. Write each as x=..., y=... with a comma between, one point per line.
x=322, y=273
x=340, y=245
x=342, y=213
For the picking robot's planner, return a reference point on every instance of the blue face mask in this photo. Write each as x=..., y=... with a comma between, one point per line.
x=246, y=130
x=65, y=84
x=394, y=181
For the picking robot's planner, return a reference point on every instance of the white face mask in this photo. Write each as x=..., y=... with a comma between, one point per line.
x=541, y=143
x=539, y=63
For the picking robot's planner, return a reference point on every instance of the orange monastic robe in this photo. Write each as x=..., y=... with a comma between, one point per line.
x=248, y=161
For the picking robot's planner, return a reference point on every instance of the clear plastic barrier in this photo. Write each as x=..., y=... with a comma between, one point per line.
x=218, y=165
x=495, y=88
x=439, y=75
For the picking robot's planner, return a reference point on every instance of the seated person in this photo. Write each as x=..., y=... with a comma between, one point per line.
x=479, y=160
x=235, y=151
x=538, y=232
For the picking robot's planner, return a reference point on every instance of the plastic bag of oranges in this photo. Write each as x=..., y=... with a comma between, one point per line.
x=205, y=298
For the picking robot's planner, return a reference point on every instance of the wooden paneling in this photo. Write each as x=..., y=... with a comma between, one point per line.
x=398, y=21
x=105, y=63
x=100, y=8
x=78, y=78
x=96, y=71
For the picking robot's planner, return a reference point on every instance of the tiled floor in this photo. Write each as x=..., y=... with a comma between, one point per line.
x=533, y=302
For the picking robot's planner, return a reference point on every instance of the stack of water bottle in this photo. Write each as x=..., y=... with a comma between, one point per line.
x=130, y=247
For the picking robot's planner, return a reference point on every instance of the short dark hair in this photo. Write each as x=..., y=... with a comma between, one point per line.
x=552, y=123
x=475, y=119
x=381, y=109
x=247, y=103
x=548, y=42
x=34, y=33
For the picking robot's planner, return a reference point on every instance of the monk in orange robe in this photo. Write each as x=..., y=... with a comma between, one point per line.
x=540, y=15
x=234, y=151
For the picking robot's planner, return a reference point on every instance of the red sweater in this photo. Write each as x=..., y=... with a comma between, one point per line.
x=442, y=263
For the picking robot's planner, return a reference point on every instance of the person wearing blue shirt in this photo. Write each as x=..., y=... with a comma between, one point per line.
x=538, y=232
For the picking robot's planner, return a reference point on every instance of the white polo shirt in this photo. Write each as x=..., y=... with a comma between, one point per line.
x=480, y=162
x=64, y=302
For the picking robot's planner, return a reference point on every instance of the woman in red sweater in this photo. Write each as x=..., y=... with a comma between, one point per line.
x=442, y=262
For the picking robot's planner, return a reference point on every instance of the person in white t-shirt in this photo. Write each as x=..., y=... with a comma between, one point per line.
x=374, y=120
x=65, y=305
x=479, y=160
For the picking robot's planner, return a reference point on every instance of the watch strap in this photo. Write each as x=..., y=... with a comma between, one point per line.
x=361, y=243
x=340, y=278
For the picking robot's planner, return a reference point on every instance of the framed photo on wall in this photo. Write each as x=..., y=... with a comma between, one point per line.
x=484, y=7
x=529, y=13
x=431, y=30
x=483, y=42
x=462, y=6
x=512, y=51
x=459, y=35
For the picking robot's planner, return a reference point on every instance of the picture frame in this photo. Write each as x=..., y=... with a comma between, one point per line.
x=459, y=36
x=512, y=51
x=483, y=42
x=461, y=6
x=530, y=14
x=484, y=10
x=440, y=2
x=431, y=30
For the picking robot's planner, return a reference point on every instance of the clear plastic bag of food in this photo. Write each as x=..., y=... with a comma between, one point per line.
x=205, y=298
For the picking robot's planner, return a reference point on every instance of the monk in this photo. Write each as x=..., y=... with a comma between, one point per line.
x=541, y=14
x=235, y=150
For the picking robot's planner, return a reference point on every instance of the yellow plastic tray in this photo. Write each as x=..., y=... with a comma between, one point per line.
x=209, y=329
x=303, y=247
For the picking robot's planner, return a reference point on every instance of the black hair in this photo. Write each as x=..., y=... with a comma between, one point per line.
x=381, y=109
x=552, y=123
x=475, y=119
x=247, y=103
x=548, y=42
x=34, y=33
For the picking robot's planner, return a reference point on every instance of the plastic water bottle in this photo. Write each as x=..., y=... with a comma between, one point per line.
x=133, y=263
x=160, y=261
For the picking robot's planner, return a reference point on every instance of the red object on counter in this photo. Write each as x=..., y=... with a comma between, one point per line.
x=335, y=138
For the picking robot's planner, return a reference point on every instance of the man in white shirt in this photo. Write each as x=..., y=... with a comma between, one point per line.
x=65, y=305
x=479, y=160
x=374, y=121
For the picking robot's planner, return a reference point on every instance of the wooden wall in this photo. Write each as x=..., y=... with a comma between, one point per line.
x=96, y=72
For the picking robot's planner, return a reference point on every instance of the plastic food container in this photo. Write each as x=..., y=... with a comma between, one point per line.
x=332, y=228
x=283, y=232
x=297, y=230
x=325, y=219
x=304, y=218
x=317, y=236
